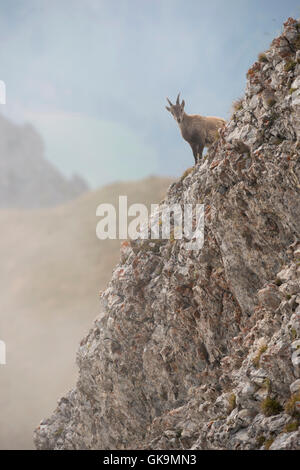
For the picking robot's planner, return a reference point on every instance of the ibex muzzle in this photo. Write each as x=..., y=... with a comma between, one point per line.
x=198, y=131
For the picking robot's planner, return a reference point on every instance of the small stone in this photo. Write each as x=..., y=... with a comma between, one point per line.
x=285, y=274
x=258, y=377
x=295, y=386
x=296, y=345
x=269, y=297
x=296, y=362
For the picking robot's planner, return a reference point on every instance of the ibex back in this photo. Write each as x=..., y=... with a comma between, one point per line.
x=198, y=131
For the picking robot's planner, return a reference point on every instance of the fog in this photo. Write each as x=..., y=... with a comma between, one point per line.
x=84, y=122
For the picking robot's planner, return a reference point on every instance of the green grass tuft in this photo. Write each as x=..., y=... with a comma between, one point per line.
x=237, y=105
x=290, y=406
x=260, y=440
x=186, y=173
x=290, y=65
x=291, y=427
x=268, y=443
x=271, y=407
x=231, y=403
x=256, y=359
x=262, y=57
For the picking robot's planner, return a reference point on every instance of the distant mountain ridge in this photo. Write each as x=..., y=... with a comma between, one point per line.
x=27, y=179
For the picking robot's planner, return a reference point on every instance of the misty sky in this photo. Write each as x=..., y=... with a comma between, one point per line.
x=93, y=75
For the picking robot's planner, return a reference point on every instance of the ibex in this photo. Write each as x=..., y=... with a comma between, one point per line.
x=198, y=131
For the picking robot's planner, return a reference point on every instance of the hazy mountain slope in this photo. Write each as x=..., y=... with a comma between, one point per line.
x=52, y=267
x=200, y=349
x=27, y=179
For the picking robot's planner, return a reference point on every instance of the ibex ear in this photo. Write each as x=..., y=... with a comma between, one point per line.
x=169, y=109
x=183, y=104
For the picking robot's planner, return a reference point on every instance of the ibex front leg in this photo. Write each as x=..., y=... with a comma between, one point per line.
x=200, y=151
x=195, y=151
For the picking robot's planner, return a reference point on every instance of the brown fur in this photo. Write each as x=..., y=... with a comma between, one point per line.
x=198, y=131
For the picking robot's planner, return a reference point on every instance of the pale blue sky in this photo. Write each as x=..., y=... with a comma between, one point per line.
x=93, y=75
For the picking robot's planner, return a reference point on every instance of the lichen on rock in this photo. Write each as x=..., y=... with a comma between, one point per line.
x=198, y=350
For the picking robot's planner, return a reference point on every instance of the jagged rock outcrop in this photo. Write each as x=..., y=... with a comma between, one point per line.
x=200, y=350
x=27, y=179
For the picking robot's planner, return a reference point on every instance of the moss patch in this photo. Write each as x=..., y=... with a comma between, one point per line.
x=231, y=403
x=291, y=427
x=293, y=333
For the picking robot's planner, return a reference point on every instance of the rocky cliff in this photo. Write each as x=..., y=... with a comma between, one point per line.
x=27, y=179
x=200, y=350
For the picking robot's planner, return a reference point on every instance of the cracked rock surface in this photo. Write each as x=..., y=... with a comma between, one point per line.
x=200, y=349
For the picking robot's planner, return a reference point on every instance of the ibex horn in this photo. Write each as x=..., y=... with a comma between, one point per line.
x=169, y=102
x=177, y=101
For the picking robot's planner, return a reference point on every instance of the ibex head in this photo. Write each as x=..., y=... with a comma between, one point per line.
x=177, y=110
